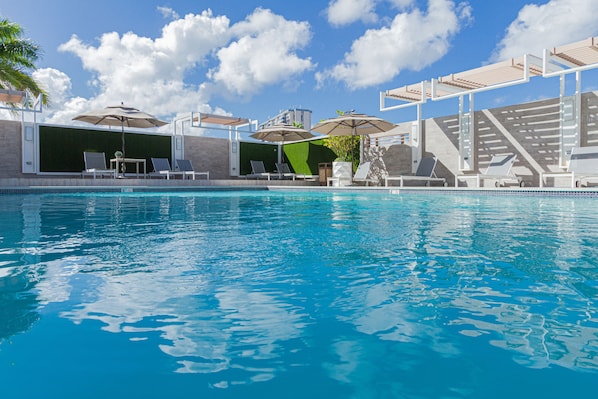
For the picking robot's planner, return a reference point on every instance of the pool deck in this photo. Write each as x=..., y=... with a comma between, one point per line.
x=69, y=185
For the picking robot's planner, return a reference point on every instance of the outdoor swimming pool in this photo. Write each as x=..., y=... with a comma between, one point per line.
x=297, y=295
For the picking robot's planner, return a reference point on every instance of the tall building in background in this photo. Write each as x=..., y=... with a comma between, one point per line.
x=290, y=117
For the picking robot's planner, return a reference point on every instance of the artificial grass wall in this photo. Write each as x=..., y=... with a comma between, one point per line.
x=305, y=156
x=61, y=148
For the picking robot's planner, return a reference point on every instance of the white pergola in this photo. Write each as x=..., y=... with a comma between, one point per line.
x=558, y=61
x=19, y=101
x=199, y=120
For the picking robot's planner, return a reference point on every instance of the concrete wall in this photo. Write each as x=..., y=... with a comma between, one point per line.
x=10, y=149
x=530, y=130
x=208, y=154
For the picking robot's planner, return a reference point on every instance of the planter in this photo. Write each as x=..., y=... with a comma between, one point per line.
x=342, y=171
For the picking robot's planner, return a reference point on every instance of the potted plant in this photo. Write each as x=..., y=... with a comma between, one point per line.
x=342, y=146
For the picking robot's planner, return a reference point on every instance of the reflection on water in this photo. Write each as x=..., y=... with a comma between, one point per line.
x=370, y=292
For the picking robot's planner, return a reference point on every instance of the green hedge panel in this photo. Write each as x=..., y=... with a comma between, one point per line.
x=267, y=153
x=61, y=148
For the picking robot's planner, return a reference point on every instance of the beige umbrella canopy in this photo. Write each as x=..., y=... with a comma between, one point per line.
x=282, y=133
x=351, y=124
x=120, y=115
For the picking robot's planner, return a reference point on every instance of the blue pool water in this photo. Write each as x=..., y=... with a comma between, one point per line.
x=297, y=295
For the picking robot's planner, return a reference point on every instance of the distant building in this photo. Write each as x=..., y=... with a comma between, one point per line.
x=290, y=117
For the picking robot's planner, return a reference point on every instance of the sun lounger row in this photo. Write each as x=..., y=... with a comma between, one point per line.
x=95, y=166
x=583, y=165
x=184, y=168
x=283, y=171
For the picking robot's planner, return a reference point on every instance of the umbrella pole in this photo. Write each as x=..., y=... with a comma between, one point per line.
x=122, y=139
x=352, y=150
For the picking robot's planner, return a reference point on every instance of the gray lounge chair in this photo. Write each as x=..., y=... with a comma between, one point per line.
x=95, y=165
x=425, y=172
x=284, y=171
x=162, y=168
x=499, y=170
x=186, y=167
x=258, y=171
x=582, y=166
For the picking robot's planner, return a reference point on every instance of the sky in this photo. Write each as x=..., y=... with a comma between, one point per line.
x=252, y=59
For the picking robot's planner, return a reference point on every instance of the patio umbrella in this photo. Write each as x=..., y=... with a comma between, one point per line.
x=120, y=115
x=351, y=124
x=282, y=133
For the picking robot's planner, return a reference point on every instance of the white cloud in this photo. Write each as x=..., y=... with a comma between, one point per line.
x=343, y=12
x=154, y=74
x=380, y=54
x=56, y=82
x=63, y=106
x=147, y=73
x=542, y=26
x=168, y=12
x=401, y=4
x=263, y=54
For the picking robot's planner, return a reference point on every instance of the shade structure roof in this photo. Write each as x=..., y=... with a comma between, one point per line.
x=222, y=120
x=580, y=53
x=490, y=75
x=12, y=96
x=574, y=56
x=555, y=61
x=501, y=73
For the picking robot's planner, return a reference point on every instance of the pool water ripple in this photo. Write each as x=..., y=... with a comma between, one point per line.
x=298, y=295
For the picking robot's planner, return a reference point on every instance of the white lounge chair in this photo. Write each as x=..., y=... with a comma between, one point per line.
x=95, y=165
x=162, y=168
x=425, y=172
x=186, y=167
x=499, y=170
x=360, y=176
x=258, y=171
x=582, y=166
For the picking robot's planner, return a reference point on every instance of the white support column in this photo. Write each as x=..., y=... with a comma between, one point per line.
x=466, y=135
x=234, y=157
x=416, y=140
x=570, y=119
x=29, y=154
x=578, y=106
x=178, y=137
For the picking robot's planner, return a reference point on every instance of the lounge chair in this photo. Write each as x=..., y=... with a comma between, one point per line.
x=284, y=171
x=258, y=171
x=499, y=170
x=582, y=165
x=360, y=176
x=162, y=168
x=186, y=167
x=425, y=172
x=95, y=165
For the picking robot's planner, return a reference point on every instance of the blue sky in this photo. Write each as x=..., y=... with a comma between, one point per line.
x=254, y=58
